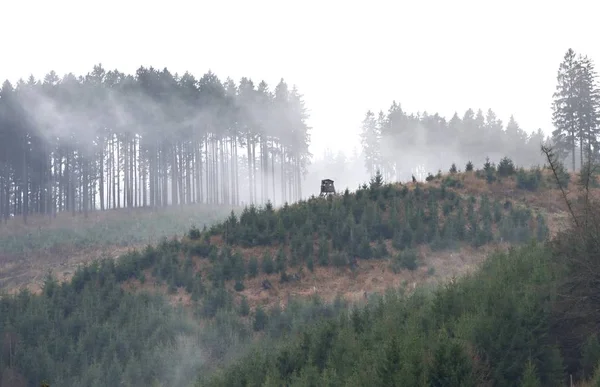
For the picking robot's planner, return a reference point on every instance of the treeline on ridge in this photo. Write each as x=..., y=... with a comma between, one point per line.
x=430, y=140
x=113, y=140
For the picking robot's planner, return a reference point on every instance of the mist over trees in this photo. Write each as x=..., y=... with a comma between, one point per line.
x=346, y=169
x=400, y=144
x=113, y=140
x=397, y=143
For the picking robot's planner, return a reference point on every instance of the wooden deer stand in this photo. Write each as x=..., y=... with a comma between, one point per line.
x=327, y=187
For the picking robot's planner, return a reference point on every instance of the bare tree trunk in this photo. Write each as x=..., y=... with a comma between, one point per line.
x=164, y=175
x=573, y=144
x=86, y=187
x=174, y=177
x=283, y=191
x=136, y=172
x=151, y=175
x=250, y=174
x=235, y=172
x=113, y=172
x=215, y=175
x=131, y=192
x=299, y=177
x=72, y=183
x=223, y=166
x=59, y=185
x=25, y=187
x=254, y=182
x=208, y=172
x=200, y=167
x=261, y=172
x=188, y=182
x=273, y=169
x=125, y=152
x=180, y=172
x=118, y=172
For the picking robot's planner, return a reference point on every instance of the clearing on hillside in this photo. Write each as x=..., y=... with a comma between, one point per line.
x=59, y=244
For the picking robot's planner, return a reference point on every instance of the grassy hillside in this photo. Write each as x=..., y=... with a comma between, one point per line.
x=283, y=279
x=28, y=251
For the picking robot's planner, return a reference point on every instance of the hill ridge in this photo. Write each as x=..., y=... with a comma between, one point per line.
x=234, y=244
x=319, y=256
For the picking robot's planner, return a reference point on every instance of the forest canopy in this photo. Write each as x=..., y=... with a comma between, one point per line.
x=113, y=140
x=430, y=141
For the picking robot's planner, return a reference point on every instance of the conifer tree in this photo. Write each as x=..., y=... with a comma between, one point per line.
x=370, y=137
x=530, y=378
x=112, y=140
x=588, y=119
x=575, y=108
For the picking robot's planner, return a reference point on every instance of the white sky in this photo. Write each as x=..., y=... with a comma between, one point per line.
x=345, y=56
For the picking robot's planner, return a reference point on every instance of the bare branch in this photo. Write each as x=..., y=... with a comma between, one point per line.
x=548, y=151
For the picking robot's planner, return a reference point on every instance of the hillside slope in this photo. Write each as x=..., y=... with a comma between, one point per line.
x=528, y=317
x=234, y=278
x=59, y=244
x=356, y=244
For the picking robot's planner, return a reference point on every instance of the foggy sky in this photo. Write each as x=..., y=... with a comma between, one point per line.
x=345, y=57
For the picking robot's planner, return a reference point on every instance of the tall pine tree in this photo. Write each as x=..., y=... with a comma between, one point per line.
x=575, y=108
x=370, y=136
x=588, y=115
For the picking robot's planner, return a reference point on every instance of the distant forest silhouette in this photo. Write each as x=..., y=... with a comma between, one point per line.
x=112, y=140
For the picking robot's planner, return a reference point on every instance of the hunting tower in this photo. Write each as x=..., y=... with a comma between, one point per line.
x=327, y=187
